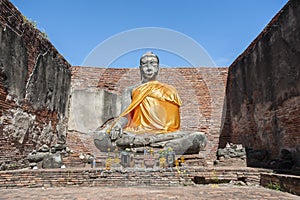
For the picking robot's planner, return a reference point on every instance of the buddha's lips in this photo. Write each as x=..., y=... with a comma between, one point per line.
x=149, y=74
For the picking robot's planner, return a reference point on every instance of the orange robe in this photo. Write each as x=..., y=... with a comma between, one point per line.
x=154, y=109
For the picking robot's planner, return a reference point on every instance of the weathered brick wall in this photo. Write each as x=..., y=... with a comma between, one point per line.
x=201, y=90
x=97, y=178
x=34, y=87
x=282, y=182
x=263, y=90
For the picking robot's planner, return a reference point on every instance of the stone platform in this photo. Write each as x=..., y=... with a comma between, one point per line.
x=86, y=177
x=134, y=178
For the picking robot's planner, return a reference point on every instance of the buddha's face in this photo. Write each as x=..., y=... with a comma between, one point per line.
x=149, y=68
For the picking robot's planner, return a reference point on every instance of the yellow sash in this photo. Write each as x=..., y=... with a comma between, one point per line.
x=154, y=109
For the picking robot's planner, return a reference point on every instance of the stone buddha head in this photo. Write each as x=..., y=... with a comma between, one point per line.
x=149, y=67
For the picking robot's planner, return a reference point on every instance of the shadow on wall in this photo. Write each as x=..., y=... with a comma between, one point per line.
x=263, y=95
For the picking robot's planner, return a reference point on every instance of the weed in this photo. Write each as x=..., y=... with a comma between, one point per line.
x=274, y=186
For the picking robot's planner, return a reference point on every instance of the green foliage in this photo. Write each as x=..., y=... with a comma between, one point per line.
x=34, y=24
x=45, y=35
x=274, y=186
x=29, y=21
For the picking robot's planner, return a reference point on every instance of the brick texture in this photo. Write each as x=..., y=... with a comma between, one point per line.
x=263, y=93
x=99, y=177
x=24, y=36
x=285, y=183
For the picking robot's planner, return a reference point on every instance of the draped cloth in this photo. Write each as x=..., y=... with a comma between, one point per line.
x=154, y=109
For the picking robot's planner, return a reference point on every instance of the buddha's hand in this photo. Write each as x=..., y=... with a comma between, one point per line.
x=116, y=132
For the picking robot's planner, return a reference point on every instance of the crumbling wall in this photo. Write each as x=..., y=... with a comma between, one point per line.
x=34, y=88
x=263, y=94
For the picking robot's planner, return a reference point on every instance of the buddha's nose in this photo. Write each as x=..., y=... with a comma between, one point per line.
x=149, y=67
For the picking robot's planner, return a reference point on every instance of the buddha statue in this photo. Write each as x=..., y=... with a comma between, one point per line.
x=150, y=117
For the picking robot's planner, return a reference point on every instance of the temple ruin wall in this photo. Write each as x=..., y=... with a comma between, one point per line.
x=34, y=87
x=263, y=90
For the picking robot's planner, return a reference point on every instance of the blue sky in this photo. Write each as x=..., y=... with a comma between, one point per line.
x=222, y=28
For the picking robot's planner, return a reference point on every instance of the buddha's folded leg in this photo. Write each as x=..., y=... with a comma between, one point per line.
x=166, y=137
x=102, y=141
x=189, y=144
x=132, y=140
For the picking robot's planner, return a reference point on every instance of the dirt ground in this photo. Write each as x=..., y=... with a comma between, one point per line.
x=212, y=192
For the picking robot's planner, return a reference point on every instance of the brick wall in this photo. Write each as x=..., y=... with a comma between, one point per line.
x=263, y=91
x=34, y=87
x=99, y=177
x=201, y=90
x=282, y=182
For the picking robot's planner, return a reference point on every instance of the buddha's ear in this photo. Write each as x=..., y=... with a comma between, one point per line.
x=141, y=72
